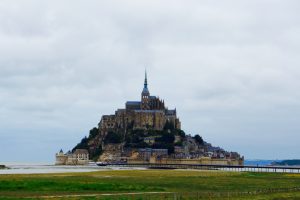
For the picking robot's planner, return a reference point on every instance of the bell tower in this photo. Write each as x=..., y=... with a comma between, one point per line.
x=145, y=95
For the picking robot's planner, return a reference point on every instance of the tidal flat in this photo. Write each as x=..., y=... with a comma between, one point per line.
x=151, y=184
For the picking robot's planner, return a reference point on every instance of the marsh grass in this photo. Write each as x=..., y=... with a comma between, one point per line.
x=183, y=183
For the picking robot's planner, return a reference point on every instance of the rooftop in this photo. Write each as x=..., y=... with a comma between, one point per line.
x=133, y=102
x=81, y=151
x=150, y=111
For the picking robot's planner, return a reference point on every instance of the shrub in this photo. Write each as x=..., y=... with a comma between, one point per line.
x=113, y=137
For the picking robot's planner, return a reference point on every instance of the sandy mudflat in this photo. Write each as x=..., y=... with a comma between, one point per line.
x=47, y=168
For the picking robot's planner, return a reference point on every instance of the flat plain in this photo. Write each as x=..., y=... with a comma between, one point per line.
x=151, y=184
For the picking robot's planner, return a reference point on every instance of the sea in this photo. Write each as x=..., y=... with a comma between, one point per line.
x=43, y=168
x=259, y=162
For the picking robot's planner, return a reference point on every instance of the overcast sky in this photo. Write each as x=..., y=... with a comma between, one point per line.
x=231, y=68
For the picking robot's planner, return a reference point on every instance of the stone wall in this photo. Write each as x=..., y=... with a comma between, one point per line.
x=143, y=119
x=200, y=161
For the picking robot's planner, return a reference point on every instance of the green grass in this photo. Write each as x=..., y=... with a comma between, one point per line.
x=184, y=184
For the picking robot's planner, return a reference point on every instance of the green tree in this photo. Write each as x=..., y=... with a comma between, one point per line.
x=168, y=137
x=180, y=132
x=113, y=137
x=82, y=145
x=93, y=133
x=95, y=155
x=199, y=139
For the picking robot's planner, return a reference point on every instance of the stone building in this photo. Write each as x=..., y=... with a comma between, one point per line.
x=61, y=158
x=78, y=157
x=146, y=153
x=148, y=113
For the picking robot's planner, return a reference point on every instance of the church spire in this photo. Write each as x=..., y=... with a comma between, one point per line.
x=146, y=82
x=145, y=90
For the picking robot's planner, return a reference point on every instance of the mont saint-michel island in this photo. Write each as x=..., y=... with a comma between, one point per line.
x=145, y=131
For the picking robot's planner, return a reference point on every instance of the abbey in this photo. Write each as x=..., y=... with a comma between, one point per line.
x=148, y=113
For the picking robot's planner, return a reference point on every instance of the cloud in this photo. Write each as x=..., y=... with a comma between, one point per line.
x=230, y=68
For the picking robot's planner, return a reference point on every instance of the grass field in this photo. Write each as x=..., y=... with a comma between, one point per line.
x=168, y=184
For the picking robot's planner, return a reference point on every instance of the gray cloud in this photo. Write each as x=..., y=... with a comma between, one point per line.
x=231, y=69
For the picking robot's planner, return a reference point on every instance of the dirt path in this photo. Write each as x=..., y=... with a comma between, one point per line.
x=97, y=194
